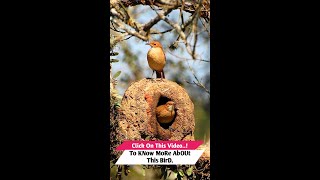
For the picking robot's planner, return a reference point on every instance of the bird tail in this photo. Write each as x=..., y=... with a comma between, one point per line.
x=159, y=74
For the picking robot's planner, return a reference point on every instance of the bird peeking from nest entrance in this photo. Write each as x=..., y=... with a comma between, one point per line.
x=165, y=113
x=156, y=59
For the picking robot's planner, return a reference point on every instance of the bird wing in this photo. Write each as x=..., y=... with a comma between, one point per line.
x=161, y=111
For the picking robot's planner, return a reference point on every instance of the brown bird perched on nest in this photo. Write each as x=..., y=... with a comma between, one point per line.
x=156, y=58
x=165, y=113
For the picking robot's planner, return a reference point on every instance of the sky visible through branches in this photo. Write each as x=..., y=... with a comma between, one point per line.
x=143, y=14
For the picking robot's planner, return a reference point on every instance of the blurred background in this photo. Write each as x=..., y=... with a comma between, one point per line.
x=183, y=29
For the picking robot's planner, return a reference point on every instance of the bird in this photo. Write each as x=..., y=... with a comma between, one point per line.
x=165, y=113
x=156, y=59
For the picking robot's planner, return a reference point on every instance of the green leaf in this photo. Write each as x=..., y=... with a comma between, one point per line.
x=114, y=60
x=143, y=171
x=189, y=171
x=116, y=74
x=147, y=138
x=114, y=54
x=117, y=105
x=181, y=173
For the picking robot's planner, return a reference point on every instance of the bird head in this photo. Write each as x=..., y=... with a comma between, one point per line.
x=170, y=105
x=154, y=44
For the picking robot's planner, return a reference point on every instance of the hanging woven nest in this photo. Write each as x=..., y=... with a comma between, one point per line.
x=137, y=117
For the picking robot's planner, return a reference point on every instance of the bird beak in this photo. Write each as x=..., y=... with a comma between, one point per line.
x=147, y=43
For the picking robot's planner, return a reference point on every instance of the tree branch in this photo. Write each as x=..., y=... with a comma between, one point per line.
x=188, y=5
x=155, y=20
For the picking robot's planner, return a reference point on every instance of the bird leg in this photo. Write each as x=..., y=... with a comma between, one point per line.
x=162, y=75
x=152, y=73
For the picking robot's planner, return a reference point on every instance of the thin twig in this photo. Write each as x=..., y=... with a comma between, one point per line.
x=114, y=28
x=154, y=21
x=198, y=83
x=134, y=33
x=188, y=5
x=182, y=35
x=183, y=58
x=181, y=14
x=205, y=27
x=195, y=28
x=161, y=32
x=127, y=38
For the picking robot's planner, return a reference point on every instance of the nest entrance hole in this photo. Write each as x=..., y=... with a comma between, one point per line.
x=164, y=100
